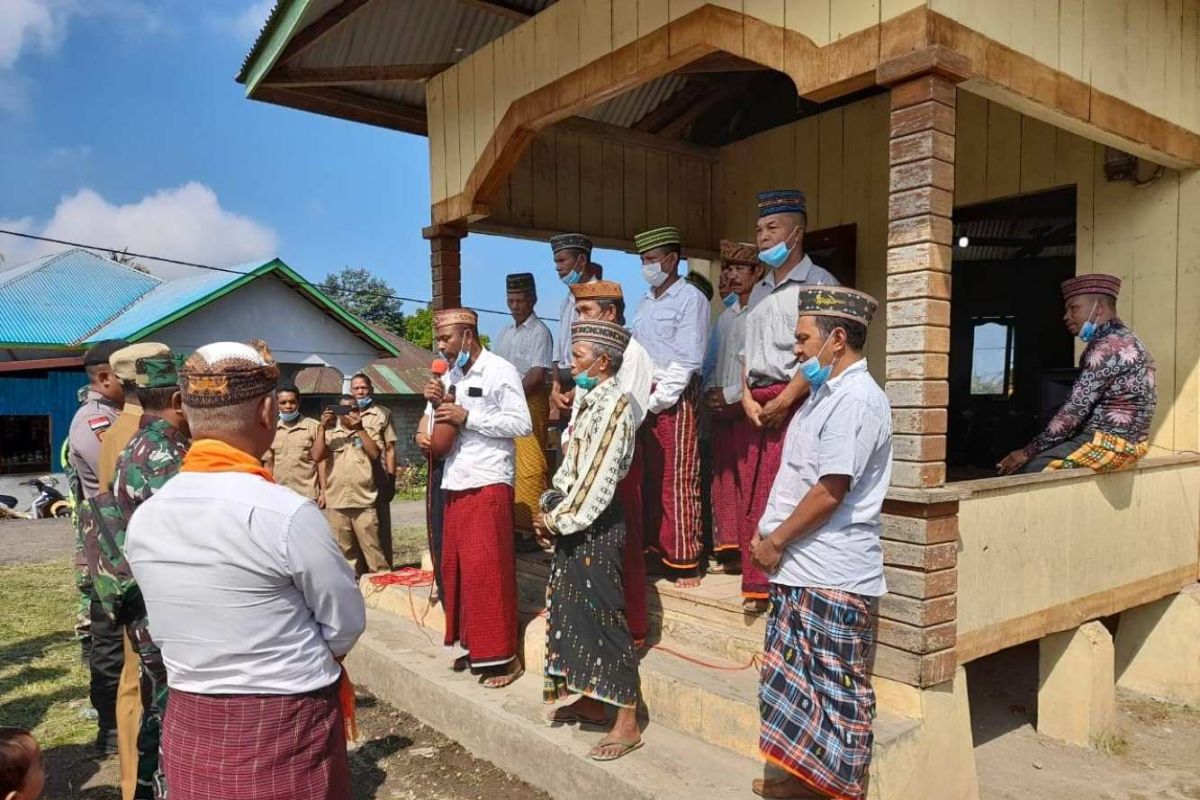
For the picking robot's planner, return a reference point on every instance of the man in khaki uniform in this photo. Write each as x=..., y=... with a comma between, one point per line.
x=350, y=489
x=377, y=420
x=129, y=697
x=298, y=447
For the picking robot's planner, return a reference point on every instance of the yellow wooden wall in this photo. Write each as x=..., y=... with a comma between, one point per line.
x=1146, y=52
x=582, y=178
x=840, y=160
x=1149, y=236
x=466, y=102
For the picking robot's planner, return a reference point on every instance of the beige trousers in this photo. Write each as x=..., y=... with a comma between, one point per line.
x=357, y=533
x=129, y=719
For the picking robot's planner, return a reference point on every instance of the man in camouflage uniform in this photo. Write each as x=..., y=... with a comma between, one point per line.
x=152, y=457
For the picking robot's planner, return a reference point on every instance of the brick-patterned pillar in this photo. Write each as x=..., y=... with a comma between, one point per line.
x=920, y=204
x=445, y=262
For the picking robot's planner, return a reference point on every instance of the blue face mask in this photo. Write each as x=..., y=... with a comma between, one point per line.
x=776, y=255
x=571, y=278
x=1088, y=331
x=813, y=372
x=364, y=402
x=730, y=299
x=292, y=417
x=463, y=358
x=585, y=381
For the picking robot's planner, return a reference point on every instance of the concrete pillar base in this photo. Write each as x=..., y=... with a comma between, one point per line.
x=1077, y=700
x=1158, y=648
x=936, y=760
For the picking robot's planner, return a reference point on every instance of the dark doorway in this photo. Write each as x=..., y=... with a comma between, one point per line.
x=1011, y=359
x=835, y=250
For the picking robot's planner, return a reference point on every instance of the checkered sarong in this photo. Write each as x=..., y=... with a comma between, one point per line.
x=815, y=697
x=1106, y=452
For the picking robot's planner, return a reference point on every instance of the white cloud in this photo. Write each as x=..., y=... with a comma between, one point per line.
x=34, y=24
x=185, y=223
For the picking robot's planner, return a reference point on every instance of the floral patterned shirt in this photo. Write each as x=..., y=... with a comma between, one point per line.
x=1115, y=392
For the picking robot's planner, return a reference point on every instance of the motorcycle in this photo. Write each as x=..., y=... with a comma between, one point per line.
x=47, y=503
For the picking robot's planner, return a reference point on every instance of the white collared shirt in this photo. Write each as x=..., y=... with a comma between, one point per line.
x=729, y=335
x=527, y=345
x=245, y=589
x=567, y=316
x=491, y=393
x=843, y=428
x=674, y=330
x=771, y=323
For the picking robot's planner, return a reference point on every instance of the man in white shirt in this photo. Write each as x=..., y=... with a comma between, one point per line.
x=672, y=324
x=603, y=301
x=774, y=385
x=573, y=263
x=740, y=270
x=820, y=545
x=478, y=568
x=528, y=345
x=249, y=599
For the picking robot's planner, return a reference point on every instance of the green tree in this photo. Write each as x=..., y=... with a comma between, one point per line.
x=418, y=328
x=367, y=296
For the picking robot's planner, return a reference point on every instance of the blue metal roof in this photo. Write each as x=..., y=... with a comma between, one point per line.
x=61, y=299
x=167, y=299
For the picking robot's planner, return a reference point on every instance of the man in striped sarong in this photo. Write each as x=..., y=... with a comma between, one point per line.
x=774, y=385
x=528, y=345
x=672, y=324
x=818, y=540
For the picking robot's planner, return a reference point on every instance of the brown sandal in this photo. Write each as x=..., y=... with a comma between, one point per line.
x=626, y=749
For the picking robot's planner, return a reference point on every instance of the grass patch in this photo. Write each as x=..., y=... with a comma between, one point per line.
x=43, y=682
x=1112, y=743
x=408, y=544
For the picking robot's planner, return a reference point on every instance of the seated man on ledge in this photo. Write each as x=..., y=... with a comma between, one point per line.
x=1105, y=423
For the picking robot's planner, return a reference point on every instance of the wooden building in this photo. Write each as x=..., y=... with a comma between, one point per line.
x=1006, y=145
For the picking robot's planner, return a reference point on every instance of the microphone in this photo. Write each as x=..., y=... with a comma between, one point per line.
x=439, y=367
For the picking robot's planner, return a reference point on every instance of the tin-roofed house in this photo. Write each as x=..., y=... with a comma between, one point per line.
x=53, y=308
x=1005, y=146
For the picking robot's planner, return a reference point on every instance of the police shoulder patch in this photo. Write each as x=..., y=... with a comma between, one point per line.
x=99, y=425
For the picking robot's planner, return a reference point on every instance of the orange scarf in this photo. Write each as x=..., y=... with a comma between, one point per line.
x=211, y=455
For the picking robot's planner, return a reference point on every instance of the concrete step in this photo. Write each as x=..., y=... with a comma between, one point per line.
x=710, y=699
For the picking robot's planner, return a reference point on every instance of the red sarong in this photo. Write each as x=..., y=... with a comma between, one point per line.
x=671, y=496
x=255, y=747
x=762, y=451
x=633, y=561
x=479, y=573
x=725, y=488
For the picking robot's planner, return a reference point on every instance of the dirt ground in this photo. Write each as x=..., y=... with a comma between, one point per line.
x=398, y=758
x=1152, y=754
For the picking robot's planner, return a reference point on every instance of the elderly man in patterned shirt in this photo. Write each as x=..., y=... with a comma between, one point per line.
x=1105, y=423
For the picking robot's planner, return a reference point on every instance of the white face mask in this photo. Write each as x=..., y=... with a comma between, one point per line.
x=653, y=275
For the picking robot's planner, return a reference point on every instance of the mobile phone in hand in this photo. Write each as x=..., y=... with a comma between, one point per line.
x=339, y=411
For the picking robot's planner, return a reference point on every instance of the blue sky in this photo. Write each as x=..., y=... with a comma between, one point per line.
x=121, y=124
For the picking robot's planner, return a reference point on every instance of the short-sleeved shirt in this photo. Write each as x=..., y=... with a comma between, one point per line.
x=771, y=323
x=88, y=429
x=349, y=481
x=527, y=345
x=377, y=420
x=115, y=439
x=843, y=428
x=291, y=454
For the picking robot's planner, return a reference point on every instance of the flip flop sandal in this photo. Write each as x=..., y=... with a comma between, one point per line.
x=461, y=664
x=503, y=681
x=565, y=716
x=626, y=749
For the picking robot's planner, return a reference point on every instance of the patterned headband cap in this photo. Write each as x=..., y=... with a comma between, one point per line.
x=228, y=373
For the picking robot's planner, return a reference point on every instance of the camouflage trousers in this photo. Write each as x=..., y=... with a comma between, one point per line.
x=83, y=606
x=151, y=783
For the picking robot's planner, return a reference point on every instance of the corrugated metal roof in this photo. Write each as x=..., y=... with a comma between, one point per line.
x=61, y=299
x=168, y=299
x=626, y=109
x=319, y=380
x=390, y=376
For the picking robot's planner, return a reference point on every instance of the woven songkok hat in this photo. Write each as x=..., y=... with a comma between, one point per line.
x=700, y=282
x=158, y=372
x=837, y=301
x=657, y=237
x=597, y=332
x=573, y=241
x=781, y=201
x=228, y=373
x=1094, y=283
x=739, y=253
x=455, y=316
x=124, y=361
x=598, y=290
x=520, y=282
